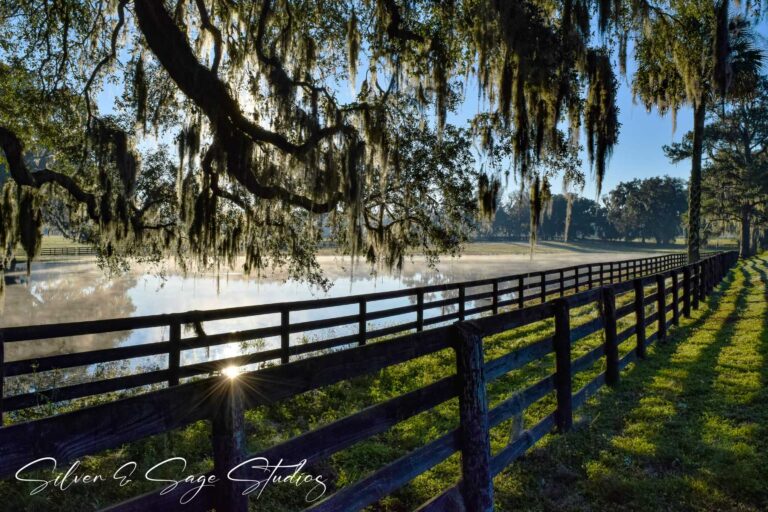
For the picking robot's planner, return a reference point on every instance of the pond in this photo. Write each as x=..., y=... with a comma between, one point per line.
x=78, y=290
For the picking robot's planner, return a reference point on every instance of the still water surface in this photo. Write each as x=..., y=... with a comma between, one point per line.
x=75, y=291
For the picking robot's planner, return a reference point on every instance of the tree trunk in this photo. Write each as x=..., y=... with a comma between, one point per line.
x=746, y=233
x=694, y=185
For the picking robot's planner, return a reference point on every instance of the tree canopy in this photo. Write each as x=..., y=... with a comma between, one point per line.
x=735, y=174
x=272, y=150
x=648, y=208
x=694, y=52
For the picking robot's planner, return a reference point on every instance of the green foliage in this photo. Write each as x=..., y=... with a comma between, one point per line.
x=694, y=53
x=267, y=147
x=649, y=208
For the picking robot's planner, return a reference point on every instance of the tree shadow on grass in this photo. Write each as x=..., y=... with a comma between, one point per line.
x=577, y=471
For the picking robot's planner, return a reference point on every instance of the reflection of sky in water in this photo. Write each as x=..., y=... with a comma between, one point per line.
x=80, y=291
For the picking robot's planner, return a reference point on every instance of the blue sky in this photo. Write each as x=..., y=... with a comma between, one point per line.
x=639, y=151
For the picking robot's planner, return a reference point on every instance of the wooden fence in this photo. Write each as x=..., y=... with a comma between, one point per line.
x=223, y=401
x=495, y=294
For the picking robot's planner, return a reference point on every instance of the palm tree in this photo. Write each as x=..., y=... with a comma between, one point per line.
x=690, y=53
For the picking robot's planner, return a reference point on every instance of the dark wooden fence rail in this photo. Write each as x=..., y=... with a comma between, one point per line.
x=68, y=251
x=223, y=401
x=502, y=292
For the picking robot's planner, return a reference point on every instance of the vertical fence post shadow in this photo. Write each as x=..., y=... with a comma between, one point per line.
x=639, y=317
x=695, y=269
x=562, y=346
x=611, y=347
x=687, y=292
x=174, y=353
x=495, y=297
x=477, y=483
x=229, y=448
x=661, y=305
x=2, y=372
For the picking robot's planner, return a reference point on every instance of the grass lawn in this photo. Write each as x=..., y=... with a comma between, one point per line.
x=684, y=430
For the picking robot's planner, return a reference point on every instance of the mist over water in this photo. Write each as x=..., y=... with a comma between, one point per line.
x=79, y=290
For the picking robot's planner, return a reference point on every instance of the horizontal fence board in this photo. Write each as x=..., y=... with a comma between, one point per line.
x=86, y=389
x=451, y=499
x=211, y=340
x=93, y=429
x=586, y=329
x=276, y=383
x=587, y=360
x=589, y=389
x=520, y=401
x=391, y=477
x=511, y=319
x=334, y=437
x=527, y=439
x=518, y=358
x=85, y=358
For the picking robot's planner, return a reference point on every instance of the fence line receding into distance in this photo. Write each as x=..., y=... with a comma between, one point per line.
x=514, y=291
x=223, y=401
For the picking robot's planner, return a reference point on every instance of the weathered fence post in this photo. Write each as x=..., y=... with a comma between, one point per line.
x=420, y=310
x=362, y=328
x=174, y=353
x=702, y=281
x=675, y=298
x=229, y=448
x=285, y=337
x=661, y=304
x=576, y=279
x=521, y=292
x=695, y=285
x=477, y=484
x=639, y=317
x=687, y=292
x=495, y=297
x=611, y=347
x=2, y=372
x=562, y=346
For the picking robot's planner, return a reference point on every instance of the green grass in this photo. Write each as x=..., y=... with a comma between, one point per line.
x=684, y=430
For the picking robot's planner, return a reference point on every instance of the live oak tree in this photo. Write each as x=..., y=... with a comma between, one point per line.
x=648, y=208
x=270, y=148
x=735, y=174
x=693, y=52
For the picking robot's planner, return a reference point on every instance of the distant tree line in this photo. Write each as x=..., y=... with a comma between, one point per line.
x=644, y=209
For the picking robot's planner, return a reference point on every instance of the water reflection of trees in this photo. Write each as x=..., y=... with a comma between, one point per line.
x=65, y=293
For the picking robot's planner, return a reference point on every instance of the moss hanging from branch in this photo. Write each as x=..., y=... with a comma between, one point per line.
x=601, y=115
